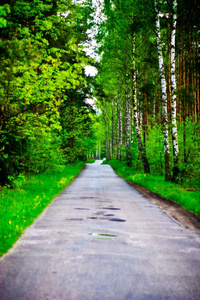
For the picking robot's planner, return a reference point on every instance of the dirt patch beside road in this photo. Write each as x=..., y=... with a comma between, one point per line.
x=185, y=218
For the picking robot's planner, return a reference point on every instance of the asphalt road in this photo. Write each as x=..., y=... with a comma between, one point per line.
x=102, y=240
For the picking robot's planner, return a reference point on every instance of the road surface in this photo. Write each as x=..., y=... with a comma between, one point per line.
x=102, y=240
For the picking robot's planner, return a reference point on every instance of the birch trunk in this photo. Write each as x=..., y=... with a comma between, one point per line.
x=118, y=129
x=135, y=117
x=114, y=130
x=174, y=102
x=107, y=134
x=145, y=113
x=128, y=127
x=169, y=84
x=164, y=99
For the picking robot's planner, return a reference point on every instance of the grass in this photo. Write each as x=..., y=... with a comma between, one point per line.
x=91, y=161
x=190, y=200
x=19, y=207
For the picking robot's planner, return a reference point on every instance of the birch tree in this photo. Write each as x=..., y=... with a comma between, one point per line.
x=164, y=95
x=135, y=115
x=128, y=124
x=173, y=84
x=119, y=136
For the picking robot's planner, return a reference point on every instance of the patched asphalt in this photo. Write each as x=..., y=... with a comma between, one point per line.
x=100, y=239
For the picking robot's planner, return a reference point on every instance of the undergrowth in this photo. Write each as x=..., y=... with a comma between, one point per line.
x=190, y=200
x=91, y=161
x=20, y=206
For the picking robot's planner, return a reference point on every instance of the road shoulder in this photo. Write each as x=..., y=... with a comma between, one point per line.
x=185, y=218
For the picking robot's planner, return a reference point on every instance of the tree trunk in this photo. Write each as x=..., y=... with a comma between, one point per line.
x=113, y=132
x=145, y=112
x=128, y=126
x=197, y=82
x=164, y=99
x=119, y=130
x=169, y=84
x=173, y=84
x=107, y=134
x=135, y=116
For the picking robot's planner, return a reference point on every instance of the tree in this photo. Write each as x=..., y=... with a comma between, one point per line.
x=174, y=88
x=42, y=62
x=135, y=112
x=119, y=38
x=164, y=96
x=149, y=54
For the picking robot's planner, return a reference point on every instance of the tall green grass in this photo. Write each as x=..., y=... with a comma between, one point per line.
x=190, y=200
x=20, y=206
x=91, y=161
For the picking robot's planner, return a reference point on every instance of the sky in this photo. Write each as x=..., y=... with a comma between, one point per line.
x=90, y=70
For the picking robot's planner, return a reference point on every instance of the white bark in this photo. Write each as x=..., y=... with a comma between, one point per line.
x=173, y=83
x=119, y=134
x=107, y=133
x=164, y=97
x=154, y=109
x=128, y=124
x=136, y=117
x=121, y=131
x=128, y=121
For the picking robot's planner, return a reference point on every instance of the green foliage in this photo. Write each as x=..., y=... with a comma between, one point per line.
x=189, y=141
x=121, y=168
x=77, y=132
x=19, y=207
x=154, y=149
x=136, y=159
x=189, y=159
x=188, y=199
x=44, y=153
x=127, y=38
x=42, y=64
x=91, y=161
x=4, y=10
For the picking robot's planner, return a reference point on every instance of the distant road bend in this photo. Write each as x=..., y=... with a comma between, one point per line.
x=100, y=239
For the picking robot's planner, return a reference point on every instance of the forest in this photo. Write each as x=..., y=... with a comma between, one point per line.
x=146, y=91
x=147, y=86
x=45, y=121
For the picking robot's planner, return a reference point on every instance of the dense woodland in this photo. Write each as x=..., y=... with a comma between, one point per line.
x=148, y=86
x=45, y=121
x=146, y=89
